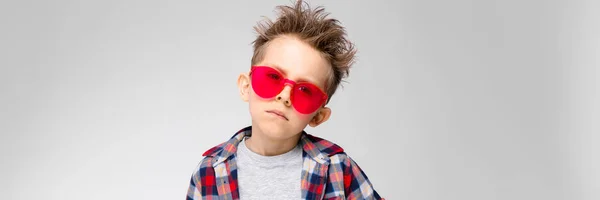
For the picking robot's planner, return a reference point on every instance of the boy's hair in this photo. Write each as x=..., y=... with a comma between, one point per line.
x=313, y=27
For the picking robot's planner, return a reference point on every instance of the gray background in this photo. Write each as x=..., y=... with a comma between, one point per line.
x=459, y=99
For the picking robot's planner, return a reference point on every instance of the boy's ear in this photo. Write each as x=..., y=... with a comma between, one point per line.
x=244, y=86
x=321, y=116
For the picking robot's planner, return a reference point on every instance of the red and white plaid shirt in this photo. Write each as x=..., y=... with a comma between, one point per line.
x=327, y=172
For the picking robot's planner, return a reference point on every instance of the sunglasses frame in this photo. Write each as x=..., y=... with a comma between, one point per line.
x=292, y=84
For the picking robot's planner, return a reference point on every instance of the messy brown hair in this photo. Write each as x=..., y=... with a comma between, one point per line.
x=313, y=27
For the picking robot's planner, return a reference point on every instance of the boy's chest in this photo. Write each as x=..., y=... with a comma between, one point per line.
x=265, y=179
x=310, y=181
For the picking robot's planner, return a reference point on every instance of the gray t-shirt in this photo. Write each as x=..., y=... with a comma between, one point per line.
x=269, y=177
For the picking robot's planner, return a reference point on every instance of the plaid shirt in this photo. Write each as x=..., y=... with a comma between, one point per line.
x=327, y=172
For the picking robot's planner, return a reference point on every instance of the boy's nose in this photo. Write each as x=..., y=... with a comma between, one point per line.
x=284, y=96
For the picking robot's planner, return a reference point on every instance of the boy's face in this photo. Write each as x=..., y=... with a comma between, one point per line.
x=297, y=61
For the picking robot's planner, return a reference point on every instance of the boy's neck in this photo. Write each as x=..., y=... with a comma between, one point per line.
x=266, y=146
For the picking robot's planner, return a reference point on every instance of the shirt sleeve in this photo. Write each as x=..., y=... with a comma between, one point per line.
x=356, y=183
x=195, y=183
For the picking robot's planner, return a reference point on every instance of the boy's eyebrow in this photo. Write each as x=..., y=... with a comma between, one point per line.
x=285, y=74
x=278, y=68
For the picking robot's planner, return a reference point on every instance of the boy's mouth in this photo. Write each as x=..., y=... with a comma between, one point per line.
x=278, y=113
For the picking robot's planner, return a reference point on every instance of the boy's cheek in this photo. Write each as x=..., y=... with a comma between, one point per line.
x=254, y=97
x=303, y=117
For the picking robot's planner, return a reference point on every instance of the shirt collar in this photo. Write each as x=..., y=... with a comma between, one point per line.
x=316, y=148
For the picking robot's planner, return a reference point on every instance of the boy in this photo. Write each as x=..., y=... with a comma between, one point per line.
x=298, y=62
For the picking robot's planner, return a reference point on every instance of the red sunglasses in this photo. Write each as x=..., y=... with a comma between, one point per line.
x=268, y=83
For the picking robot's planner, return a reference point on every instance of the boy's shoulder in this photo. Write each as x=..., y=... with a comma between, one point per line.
x=314, y=146
x=229, y=145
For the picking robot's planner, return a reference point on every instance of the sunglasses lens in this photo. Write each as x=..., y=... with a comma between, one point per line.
x=307, y=98
x=266, y=82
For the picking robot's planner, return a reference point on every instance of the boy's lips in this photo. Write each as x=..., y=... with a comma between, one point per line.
x=278, y=113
